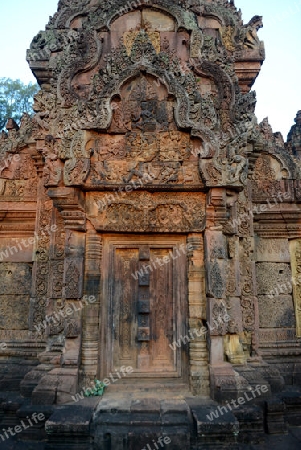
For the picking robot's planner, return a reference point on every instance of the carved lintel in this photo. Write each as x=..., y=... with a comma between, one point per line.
x=145, y=212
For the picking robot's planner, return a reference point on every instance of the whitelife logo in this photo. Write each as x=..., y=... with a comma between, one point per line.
x=162, y=441
x=64, y=313
x=221, y=410
x=107, y=381
x=19, y=428
x=146, y=268
x=25, y=243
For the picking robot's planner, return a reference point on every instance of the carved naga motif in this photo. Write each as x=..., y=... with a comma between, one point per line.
x=80, y=55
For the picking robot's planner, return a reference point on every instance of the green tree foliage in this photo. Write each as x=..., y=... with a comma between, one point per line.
x=15, y=99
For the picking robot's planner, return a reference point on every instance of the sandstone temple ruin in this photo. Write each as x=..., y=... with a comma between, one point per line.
x=149, y=223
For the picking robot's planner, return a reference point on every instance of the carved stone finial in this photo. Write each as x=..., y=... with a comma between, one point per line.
x=12, y=125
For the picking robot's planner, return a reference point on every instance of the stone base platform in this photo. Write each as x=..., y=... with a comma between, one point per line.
x=153, y=421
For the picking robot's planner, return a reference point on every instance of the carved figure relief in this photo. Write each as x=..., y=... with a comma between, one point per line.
x=142, y=211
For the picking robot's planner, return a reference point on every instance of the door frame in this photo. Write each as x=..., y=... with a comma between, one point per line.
x=111, y=241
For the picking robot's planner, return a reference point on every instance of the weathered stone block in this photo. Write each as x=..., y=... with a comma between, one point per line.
x=15, y=278
x=272, y=278
x=276, y=312
x=14, y=312
x=275, y=410
x=157, y=19
x=272, y=250
x=217, y=355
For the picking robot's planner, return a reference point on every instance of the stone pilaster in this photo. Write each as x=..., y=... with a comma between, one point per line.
x=199, y=374
x=90, y=335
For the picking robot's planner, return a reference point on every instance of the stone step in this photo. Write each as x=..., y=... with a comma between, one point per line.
x=140, y=423
x=214, y=428
x=151, y=387
x=251, y=424
x=37, y=415
x=292, y=401
x=68, y=428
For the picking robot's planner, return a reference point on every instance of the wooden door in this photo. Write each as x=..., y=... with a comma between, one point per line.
x=146, y=295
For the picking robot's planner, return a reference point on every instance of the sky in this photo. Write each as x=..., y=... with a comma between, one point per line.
x=278, y=86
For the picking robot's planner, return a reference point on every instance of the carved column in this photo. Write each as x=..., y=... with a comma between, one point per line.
x=90, y=335
x=215, y=244
x=199, y=373
x=295, y=249
x=249, y=301
x=41, y=274
x=224, y=312
x=64, y=291
x=69, y=202
x=46, y=296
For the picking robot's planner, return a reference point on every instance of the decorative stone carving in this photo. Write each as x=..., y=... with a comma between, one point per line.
x=251, y=39
x=277, y=335
x=73, y=270
x=295, y=250
x=41, y=265
x=294, y=137
x=248, y=299
x=196, y=44
x=53, y=166
x=144, y=212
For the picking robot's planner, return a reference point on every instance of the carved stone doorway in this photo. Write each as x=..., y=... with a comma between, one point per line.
x=144, y=306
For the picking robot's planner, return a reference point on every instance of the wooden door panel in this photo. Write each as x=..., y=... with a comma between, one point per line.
x=146, y=295
x=123, y=307
x=162, y=311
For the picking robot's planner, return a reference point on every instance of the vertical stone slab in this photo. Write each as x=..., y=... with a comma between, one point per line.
x=295, y=250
